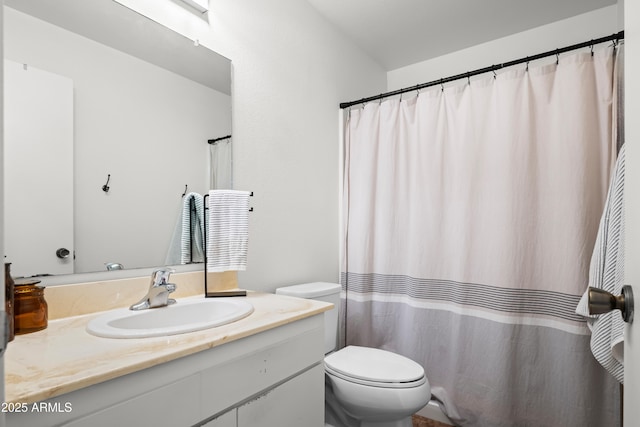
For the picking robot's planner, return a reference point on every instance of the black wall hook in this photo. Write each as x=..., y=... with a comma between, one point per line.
x=105, y=187
x=185, y=190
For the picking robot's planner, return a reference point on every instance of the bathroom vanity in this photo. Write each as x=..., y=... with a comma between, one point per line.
x=265, y=369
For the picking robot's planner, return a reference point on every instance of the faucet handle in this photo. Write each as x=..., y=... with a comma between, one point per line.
x=161, y=275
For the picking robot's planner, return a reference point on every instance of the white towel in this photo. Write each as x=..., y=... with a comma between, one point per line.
x=228, y=234
x=607, y=272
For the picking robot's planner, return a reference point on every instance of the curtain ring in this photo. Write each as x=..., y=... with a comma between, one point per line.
x=469, y=78
x=527, y=67
x=441, y=85
x=401, y=96
x=381, y=98
x=591, y=46
x=557, y=57
x=494, y=73
x=417, y=90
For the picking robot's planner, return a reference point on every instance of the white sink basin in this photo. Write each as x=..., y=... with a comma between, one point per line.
x=184, y=316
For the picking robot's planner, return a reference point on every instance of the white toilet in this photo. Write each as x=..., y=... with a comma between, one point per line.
x=365, y=387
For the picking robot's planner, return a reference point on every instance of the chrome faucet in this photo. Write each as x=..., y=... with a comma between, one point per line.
x=159, y=290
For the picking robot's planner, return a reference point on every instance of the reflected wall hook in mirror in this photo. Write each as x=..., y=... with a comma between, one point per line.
x=105, y=187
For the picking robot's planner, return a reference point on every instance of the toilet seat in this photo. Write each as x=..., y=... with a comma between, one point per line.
x=374, y=367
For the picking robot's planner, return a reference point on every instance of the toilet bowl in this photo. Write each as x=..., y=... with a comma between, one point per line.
x=377, y=387
x=365, y=387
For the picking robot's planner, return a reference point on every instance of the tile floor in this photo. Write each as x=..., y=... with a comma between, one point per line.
x=419, y=421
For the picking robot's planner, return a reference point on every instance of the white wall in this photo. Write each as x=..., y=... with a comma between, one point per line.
x=290, y=74
x=141, y=124
x=291, y=69
x=632, y=208
x=580, y=28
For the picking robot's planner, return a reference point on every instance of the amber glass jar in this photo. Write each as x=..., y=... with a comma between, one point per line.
x=9, y=287
x=30, y=308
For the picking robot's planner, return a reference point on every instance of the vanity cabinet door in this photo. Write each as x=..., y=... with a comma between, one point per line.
x=38, y=162
x=169, y=406
x=297, y=402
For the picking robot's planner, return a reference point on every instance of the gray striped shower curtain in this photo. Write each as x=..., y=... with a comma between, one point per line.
x=470, y=215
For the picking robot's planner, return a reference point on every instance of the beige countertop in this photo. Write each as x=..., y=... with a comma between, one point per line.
x=64, y=357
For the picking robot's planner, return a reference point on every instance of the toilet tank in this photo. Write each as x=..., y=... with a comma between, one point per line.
x=321, y=291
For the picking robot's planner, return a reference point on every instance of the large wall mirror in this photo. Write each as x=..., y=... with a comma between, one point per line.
x=107, y=118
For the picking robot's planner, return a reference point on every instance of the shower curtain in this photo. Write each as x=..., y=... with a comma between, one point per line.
x=470, y=217
x=221, y=165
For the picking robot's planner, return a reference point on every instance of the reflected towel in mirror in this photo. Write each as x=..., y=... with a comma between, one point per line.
x=187, y=244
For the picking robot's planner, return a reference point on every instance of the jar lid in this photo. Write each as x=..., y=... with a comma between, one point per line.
x=26, y=281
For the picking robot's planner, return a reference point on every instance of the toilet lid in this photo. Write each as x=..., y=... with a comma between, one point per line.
x=373, y=365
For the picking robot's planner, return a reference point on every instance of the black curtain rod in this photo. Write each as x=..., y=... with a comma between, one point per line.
x=213, y=141
x=616, y=36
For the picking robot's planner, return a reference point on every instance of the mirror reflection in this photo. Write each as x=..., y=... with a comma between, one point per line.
x=107, y=121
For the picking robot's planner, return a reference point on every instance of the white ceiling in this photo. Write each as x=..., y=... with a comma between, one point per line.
x=397, y=33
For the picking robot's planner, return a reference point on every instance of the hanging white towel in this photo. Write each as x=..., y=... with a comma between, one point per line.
x=607, y=272
x=228, y=234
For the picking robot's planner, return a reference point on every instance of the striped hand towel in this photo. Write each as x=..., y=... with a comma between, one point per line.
x=191, y=247
x=607, y=272
x=228, y=235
